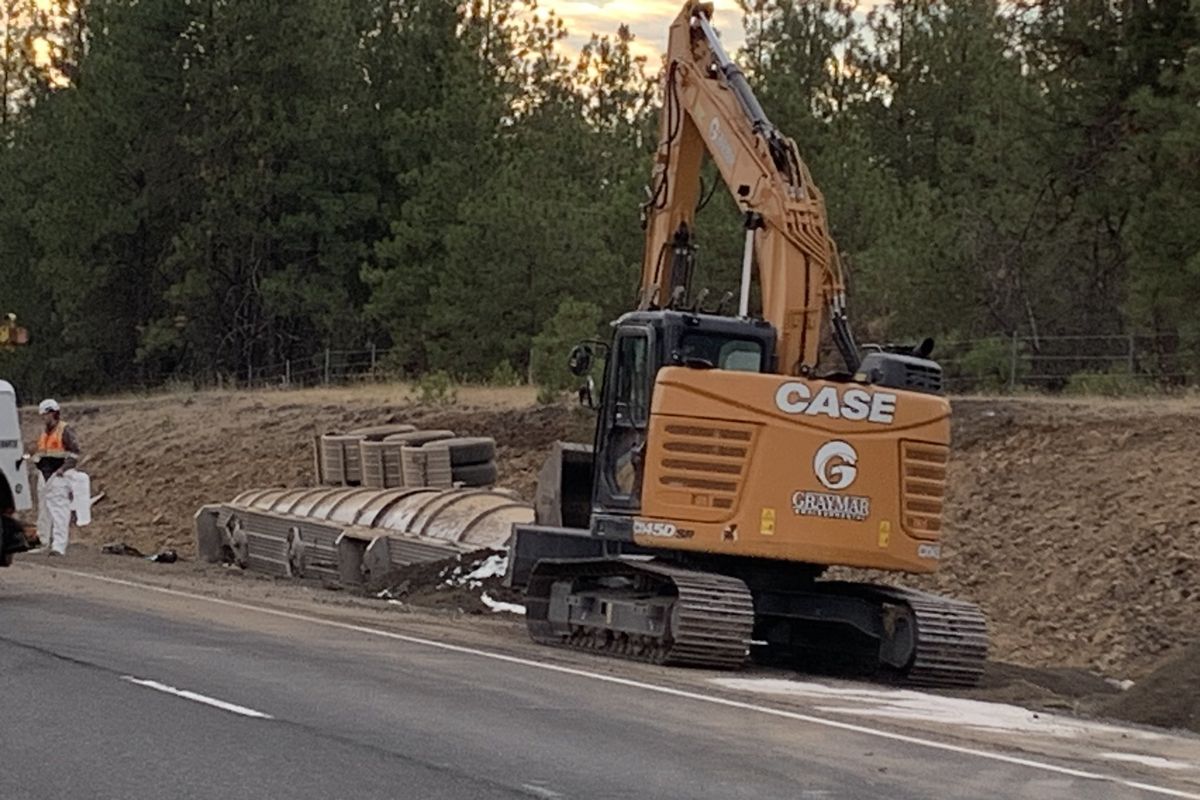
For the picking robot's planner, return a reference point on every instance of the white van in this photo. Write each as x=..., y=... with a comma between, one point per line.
x=15, y=493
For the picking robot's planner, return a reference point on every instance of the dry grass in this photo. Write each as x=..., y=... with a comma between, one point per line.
x=1173, y=404
x=359, y=394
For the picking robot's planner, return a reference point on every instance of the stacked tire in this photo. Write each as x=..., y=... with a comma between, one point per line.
x=472, y=460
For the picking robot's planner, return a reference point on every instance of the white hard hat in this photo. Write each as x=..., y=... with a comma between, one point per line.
x=47, y=406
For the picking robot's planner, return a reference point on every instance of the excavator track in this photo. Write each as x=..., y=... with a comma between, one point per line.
x=941, y=642
x=664, y=614
x=951, y=639
x=695, y=619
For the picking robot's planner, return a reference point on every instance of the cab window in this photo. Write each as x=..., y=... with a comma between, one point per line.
x=633, y=382
x=719, y=352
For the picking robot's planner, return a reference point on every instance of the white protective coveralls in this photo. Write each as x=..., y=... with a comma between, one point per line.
x=59, y=494
x=54, y=511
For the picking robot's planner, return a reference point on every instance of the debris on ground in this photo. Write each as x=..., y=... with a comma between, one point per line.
x=121, y=549
x=501, y=607
x=167, y=556
x=472, y=583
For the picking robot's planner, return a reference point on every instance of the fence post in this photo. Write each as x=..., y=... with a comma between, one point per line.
x=326, y=366
x=287, y=373
x=1132, y=345
x=372, y=360
x=1012, y=366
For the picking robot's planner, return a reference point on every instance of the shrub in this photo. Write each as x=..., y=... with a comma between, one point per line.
x=505, y=375
x=436, y=389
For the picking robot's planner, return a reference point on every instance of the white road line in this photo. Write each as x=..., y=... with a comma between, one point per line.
x=824, y=722
x=199, y=698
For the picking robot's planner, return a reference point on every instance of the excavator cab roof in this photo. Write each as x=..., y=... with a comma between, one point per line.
x=707, y=341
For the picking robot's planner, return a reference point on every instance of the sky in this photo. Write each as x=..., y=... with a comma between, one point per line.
x=648, y=19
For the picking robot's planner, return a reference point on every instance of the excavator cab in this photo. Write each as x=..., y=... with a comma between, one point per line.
x=644, y=342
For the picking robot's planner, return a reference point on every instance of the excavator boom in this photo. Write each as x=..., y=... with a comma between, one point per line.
x=710, y=109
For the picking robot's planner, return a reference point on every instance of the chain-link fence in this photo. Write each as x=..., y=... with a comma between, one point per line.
x=1096, y=364
x=1084, y=364
x=325, y=368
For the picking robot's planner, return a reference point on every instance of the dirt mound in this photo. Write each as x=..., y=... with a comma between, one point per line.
x=1169, y=696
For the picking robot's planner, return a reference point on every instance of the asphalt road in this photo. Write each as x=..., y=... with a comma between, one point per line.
x=277, y=707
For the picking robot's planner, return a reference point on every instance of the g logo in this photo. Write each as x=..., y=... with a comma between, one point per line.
x=836, y=465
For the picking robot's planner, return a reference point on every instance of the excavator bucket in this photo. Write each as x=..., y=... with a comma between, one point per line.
x=563, y=508
x=564, y=488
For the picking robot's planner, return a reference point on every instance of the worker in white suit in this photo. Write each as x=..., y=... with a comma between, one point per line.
x=56, y=456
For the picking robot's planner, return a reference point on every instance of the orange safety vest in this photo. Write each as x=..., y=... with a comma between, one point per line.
x=50, y=443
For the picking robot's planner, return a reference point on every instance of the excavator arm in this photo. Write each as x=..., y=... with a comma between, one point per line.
x=710, y=108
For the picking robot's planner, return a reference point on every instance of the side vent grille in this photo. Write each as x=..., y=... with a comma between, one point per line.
x=707, y=460
x=923, y=487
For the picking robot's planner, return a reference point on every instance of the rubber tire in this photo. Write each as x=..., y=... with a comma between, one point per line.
x=377, y=433
x=418, y=438
x=477, y=475
x=470, y=450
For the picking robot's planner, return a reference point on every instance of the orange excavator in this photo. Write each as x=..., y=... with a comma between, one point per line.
x=730, y=468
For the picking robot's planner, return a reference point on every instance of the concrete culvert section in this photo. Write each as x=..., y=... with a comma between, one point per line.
x=428, y=465
x=355, y=457
x=343, y=535
x=373, y=469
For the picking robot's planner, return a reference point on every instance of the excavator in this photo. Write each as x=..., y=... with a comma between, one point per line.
x=730, y=470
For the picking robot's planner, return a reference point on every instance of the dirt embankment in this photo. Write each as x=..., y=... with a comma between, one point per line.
x=1075, y=525
x=159, y=459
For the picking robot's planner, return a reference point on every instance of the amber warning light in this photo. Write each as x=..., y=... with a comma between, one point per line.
x=12, y=334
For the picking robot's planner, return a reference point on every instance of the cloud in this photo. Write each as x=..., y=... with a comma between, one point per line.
x=648, y=19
